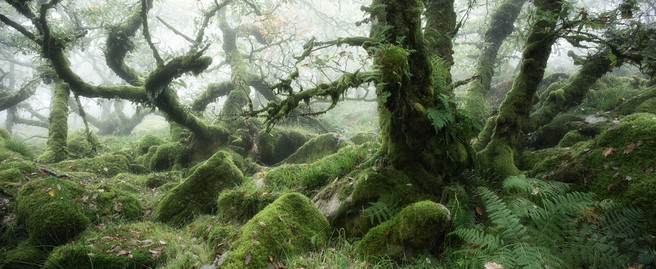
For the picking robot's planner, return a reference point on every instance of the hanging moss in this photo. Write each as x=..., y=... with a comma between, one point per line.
x=56, y=150
x=288, y=226
x=418, y=227
x=198, y=193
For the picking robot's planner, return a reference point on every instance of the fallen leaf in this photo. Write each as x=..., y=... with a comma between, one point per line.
x=610, y=186
x=479, y=210
x=105, y=169
x=270, y=258
x=649, y=170
x=629, y=148
x=123, y=252
x=536, y=191
x=608, y=151
x=262, y=224
x=153, y=253
x=51, y=192
x=58, y=187
x=628, y=178
x=493, y=265
x=73, y=168
x=428, y=261
x=639, y=144
x=162, y=242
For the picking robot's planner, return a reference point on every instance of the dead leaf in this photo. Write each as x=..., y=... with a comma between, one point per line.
x=123, y=252
x=536, y=191
x=270, y=258
x=428, y=261
x=608, y=151
x=610, y=186
x=162, y=242
x=58, y=187
x=628, y=178
x=153, y=253
x=479, y=210
x=51, y=192
x=639, y=144
x=493, y=265
x=649, y=170
x=73, y=168
x=262, y=224
x=118, y=206
x=629, y=148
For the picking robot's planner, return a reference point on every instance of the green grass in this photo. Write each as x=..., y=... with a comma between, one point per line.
x=19, y=147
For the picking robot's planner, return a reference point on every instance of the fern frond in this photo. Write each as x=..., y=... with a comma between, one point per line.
x=479, y=239
x=501, y=216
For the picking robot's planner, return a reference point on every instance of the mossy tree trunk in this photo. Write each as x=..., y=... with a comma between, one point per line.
x=410, y=141
x=440, y=29
x=516, y=108
x=56, y=149
x=501, y=25
x=573, y=92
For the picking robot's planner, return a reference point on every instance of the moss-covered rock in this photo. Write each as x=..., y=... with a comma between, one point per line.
x=169, y=156
x=106, y=165
x=79, y=145
x=571, y=138
x=309, y=178
x=145, y=143
x=278, y=144
x=4, y=134
x=45, y=208
x=418, y=227
x=198, y=193
x=241, y=206
x=318, y=147
x=551, y=133
x=135, y=245
x=363, y=137
x=10, y=180
x=290, y=225
x=154, y=180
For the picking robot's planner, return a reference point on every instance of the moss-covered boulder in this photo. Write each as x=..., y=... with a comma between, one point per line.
x=288, y=226
x=198, y=193
x=318, y=147
x=234, y=205
x=45, y=208
x=214, y=230
x=418, y=227
x=4, y=134
x=309, y=178
x=106, y=165
x=551, y=133
x=278, y=144
x=10, y=181
x=55, y=210
x=145, y=143
x=363, y=137
x=169, y=156
x=135, y=245
x=82, y=146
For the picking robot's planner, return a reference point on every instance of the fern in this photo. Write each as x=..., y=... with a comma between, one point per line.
x=541, y=224
x=379, y=211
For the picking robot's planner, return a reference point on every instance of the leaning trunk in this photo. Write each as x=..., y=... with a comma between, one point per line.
x=56, y=149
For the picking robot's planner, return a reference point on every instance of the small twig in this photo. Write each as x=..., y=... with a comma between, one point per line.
x=52, y=173
x=146, y=32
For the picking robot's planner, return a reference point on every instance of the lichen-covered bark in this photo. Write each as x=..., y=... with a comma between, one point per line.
x=501, y=25
x=440, y=29
x=573, y=92
x=515, y=109
x=56, y=150
x=238, y=96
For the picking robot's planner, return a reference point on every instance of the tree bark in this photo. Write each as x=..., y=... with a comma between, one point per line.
x=440, y=29
x=56, y=149
x=516, y=108
x=501, y=25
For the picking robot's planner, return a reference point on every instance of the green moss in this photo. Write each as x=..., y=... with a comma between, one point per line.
x=105, y=165
x=278, y=144
x=317, y=148
x=145, y=143
x=648, y=106
x=79, y=146
x=108, y=201
x=4, y=134
x=44, y=207
x=290, y=225
x=364, y=137
x=213, y=230
x=22, y=165
x=169, y=156
x=134, y=245
x=551, y=133
x=198, y=193
x=241, y=206
x=10, y=180
x=308, y=178
x=56, y=150
x=418, y=227
x=498, y=157
x=571, y=138
x=19, y=147
x=25, y=255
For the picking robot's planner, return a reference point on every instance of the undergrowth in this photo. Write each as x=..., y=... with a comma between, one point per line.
x=532, y=223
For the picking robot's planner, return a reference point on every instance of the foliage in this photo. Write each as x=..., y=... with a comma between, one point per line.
x=19, y=147
x=541, y=223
